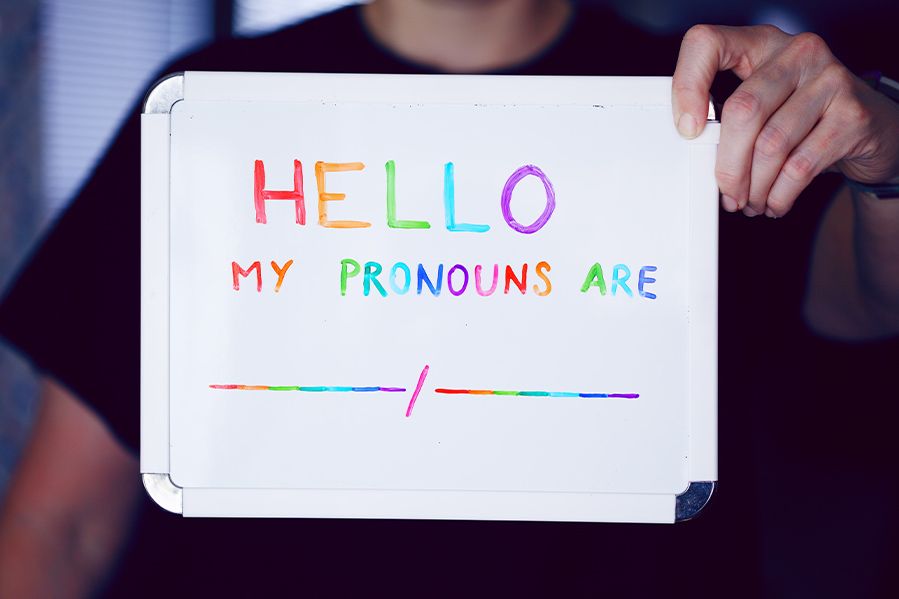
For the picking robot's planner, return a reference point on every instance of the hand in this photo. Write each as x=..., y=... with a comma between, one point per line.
x=798, y=112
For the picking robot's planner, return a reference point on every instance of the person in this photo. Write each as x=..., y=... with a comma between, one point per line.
x=817, y=267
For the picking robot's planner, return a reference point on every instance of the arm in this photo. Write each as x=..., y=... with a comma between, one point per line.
x=854, y=277
x=800, y=112
x=66, y=513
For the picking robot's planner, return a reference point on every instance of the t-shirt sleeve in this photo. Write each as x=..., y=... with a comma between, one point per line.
x=74, y=308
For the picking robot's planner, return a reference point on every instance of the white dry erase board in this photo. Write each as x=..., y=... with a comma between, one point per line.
x=466, y=297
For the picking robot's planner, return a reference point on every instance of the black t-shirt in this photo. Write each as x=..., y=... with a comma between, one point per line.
x=805, y=429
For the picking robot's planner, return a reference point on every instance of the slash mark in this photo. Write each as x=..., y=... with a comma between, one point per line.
x=421, y=381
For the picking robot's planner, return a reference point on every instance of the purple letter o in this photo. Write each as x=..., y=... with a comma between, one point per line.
x=528, y=169
x=449, y=279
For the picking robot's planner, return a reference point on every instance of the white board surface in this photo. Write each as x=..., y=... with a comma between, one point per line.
x=303, y=397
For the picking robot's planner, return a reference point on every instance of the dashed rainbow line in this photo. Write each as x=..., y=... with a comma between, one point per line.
x=319, y=389
x=327, y=389
x=536, y=393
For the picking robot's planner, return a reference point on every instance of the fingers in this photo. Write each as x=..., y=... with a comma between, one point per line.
x=798, y=112
x=698, y=62
x=820, y=149
x=786, y=128
x=745, y=114
x=705, y=50
x=771, y=112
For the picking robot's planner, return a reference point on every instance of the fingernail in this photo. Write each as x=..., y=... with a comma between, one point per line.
x=687, y=126
x=749, y=211
x=770, y=213
x=729, y=203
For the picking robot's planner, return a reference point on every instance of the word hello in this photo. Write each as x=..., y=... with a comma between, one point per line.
x=262, y=195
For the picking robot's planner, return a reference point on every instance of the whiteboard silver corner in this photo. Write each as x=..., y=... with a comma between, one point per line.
x=163, y=491
x=164, y=93
x=692, y=501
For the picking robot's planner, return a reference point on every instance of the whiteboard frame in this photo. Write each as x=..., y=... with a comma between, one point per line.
x=341, y=503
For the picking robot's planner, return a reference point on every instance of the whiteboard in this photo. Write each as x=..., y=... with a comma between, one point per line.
x=481, y=297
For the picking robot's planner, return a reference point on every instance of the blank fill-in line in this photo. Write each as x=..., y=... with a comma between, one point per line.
x=536, y=393
x=421, y=381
